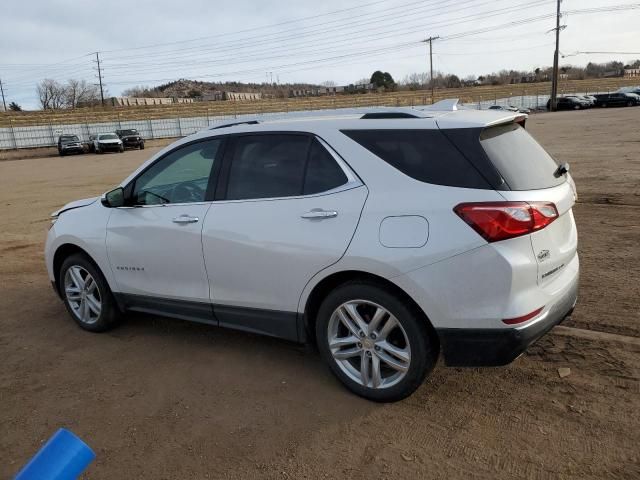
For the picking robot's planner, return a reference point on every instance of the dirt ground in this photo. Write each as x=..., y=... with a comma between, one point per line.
x=165, y=399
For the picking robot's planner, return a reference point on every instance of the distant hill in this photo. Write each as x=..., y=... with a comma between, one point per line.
x=194, y=88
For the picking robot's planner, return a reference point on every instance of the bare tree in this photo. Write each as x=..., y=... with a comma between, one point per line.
x=79, y=92
x=415, y=81
x=328, y=83
x=51, y=94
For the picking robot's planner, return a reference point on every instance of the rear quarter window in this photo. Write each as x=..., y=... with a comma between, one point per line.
x=424, y=155
x=521, y=161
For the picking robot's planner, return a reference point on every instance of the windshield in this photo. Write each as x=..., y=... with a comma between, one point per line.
x=108, y=136
x=69, y=138
x=128, y=132
x=522, y=162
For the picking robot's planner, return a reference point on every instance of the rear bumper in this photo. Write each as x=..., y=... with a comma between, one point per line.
x=492, y=347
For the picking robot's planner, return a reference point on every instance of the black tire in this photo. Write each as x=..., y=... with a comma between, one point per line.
x=121, y=148
x=98, y=151
x=61, y=153
x=423, y=344
x=110, y=315
x=142, y=146
x=629, y=104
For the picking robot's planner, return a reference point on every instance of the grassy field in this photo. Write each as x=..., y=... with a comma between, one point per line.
x=200, y=109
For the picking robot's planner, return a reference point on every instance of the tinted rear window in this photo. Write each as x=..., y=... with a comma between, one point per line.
x=521, y=161
x=425, y=155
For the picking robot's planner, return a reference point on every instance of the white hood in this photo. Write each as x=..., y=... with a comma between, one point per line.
x=75, y=204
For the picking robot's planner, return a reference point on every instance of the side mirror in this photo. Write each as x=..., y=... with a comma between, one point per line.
x=114, y=198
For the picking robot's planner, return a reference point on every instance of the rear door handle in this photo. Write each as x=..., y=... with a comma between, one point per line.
x=182, y=219
x=319, y=213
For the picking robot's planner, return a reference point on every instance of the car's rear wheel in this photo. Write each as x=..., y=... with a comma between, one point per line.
x=142, y=146
x=376, y=344
x=86, y=294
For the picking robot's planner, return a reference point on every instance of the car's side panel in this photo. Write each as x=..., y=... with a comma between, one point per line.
x=261, y=253
x=152, y=255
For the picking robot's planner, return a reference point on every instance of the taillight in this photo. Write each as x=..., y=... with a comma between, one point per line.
x=496, y=221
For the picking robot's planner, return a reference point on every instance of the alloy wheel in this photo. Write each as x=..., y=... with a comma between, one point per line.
x=82, y=294
x=369, y=344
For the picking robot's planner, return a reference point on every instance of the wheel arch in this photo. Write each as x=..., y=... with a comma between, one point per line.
x=319, y=292
x=64, y=251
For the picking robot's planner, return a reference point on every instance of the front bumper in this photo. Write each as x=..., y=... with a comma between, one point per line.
x=110, y=147
x=132, y=143
x=493, y=347
x=75, y=148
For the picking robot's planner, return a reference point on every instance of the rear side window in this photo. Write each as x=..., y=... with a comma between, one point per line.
x=267, y=166
x=521, y=161
x=323, y=173
x=425, y=155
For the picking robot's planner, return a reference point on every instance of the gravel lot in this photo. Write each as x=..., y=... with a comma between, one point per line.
x=166, y=399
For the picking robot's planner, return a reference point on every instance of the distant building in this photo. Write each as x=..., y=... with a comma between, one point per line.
x=138, y=101
x=241, y=96
x=631, y=72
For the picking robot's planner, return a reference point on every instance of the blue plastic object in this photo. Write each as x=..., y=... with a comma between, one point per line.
x=63, y=457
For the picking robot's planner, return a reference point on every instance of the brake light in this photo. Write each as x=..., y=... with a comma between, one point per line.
x=496, y=221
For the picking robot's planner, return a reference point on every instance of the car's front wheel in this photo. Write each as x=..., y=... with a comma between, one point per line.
x=376, y=344
x=86, y=294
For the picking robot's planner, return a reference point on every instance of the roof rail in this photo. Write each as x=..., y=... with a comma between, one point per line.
x=380, y=115
x=247, y=122
x=447, y=105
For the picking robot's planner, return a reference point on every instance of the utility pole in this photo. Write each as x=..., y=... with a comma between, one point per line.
x=3, y=102
x=100, y=79
x=554, y=83
x=430, y=40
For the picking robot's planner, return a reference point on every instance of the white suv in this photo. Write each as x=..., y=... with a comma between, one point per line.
x=384, y=238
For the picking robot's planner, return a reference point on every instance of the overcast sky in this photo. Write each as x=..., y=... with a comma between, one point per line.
x=150, y=42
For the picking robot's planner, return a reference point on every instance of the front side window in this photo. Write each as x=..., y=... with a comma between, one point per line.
x=180, y=177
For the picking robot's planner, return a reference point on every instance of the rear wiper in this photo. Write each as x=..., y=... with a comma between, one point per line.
x=562, y=169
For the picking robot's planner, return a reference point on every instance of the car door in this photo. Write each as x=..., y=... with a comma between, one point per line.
x=288, y=207
x=154, y=244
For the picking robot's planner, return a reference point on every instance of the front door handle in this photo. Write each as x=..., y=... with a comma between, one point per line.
x=318, y=213
x=183, y=219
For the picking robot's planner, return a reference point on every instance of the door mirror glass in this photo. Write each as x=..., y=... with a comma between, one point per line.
x=114, y=198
